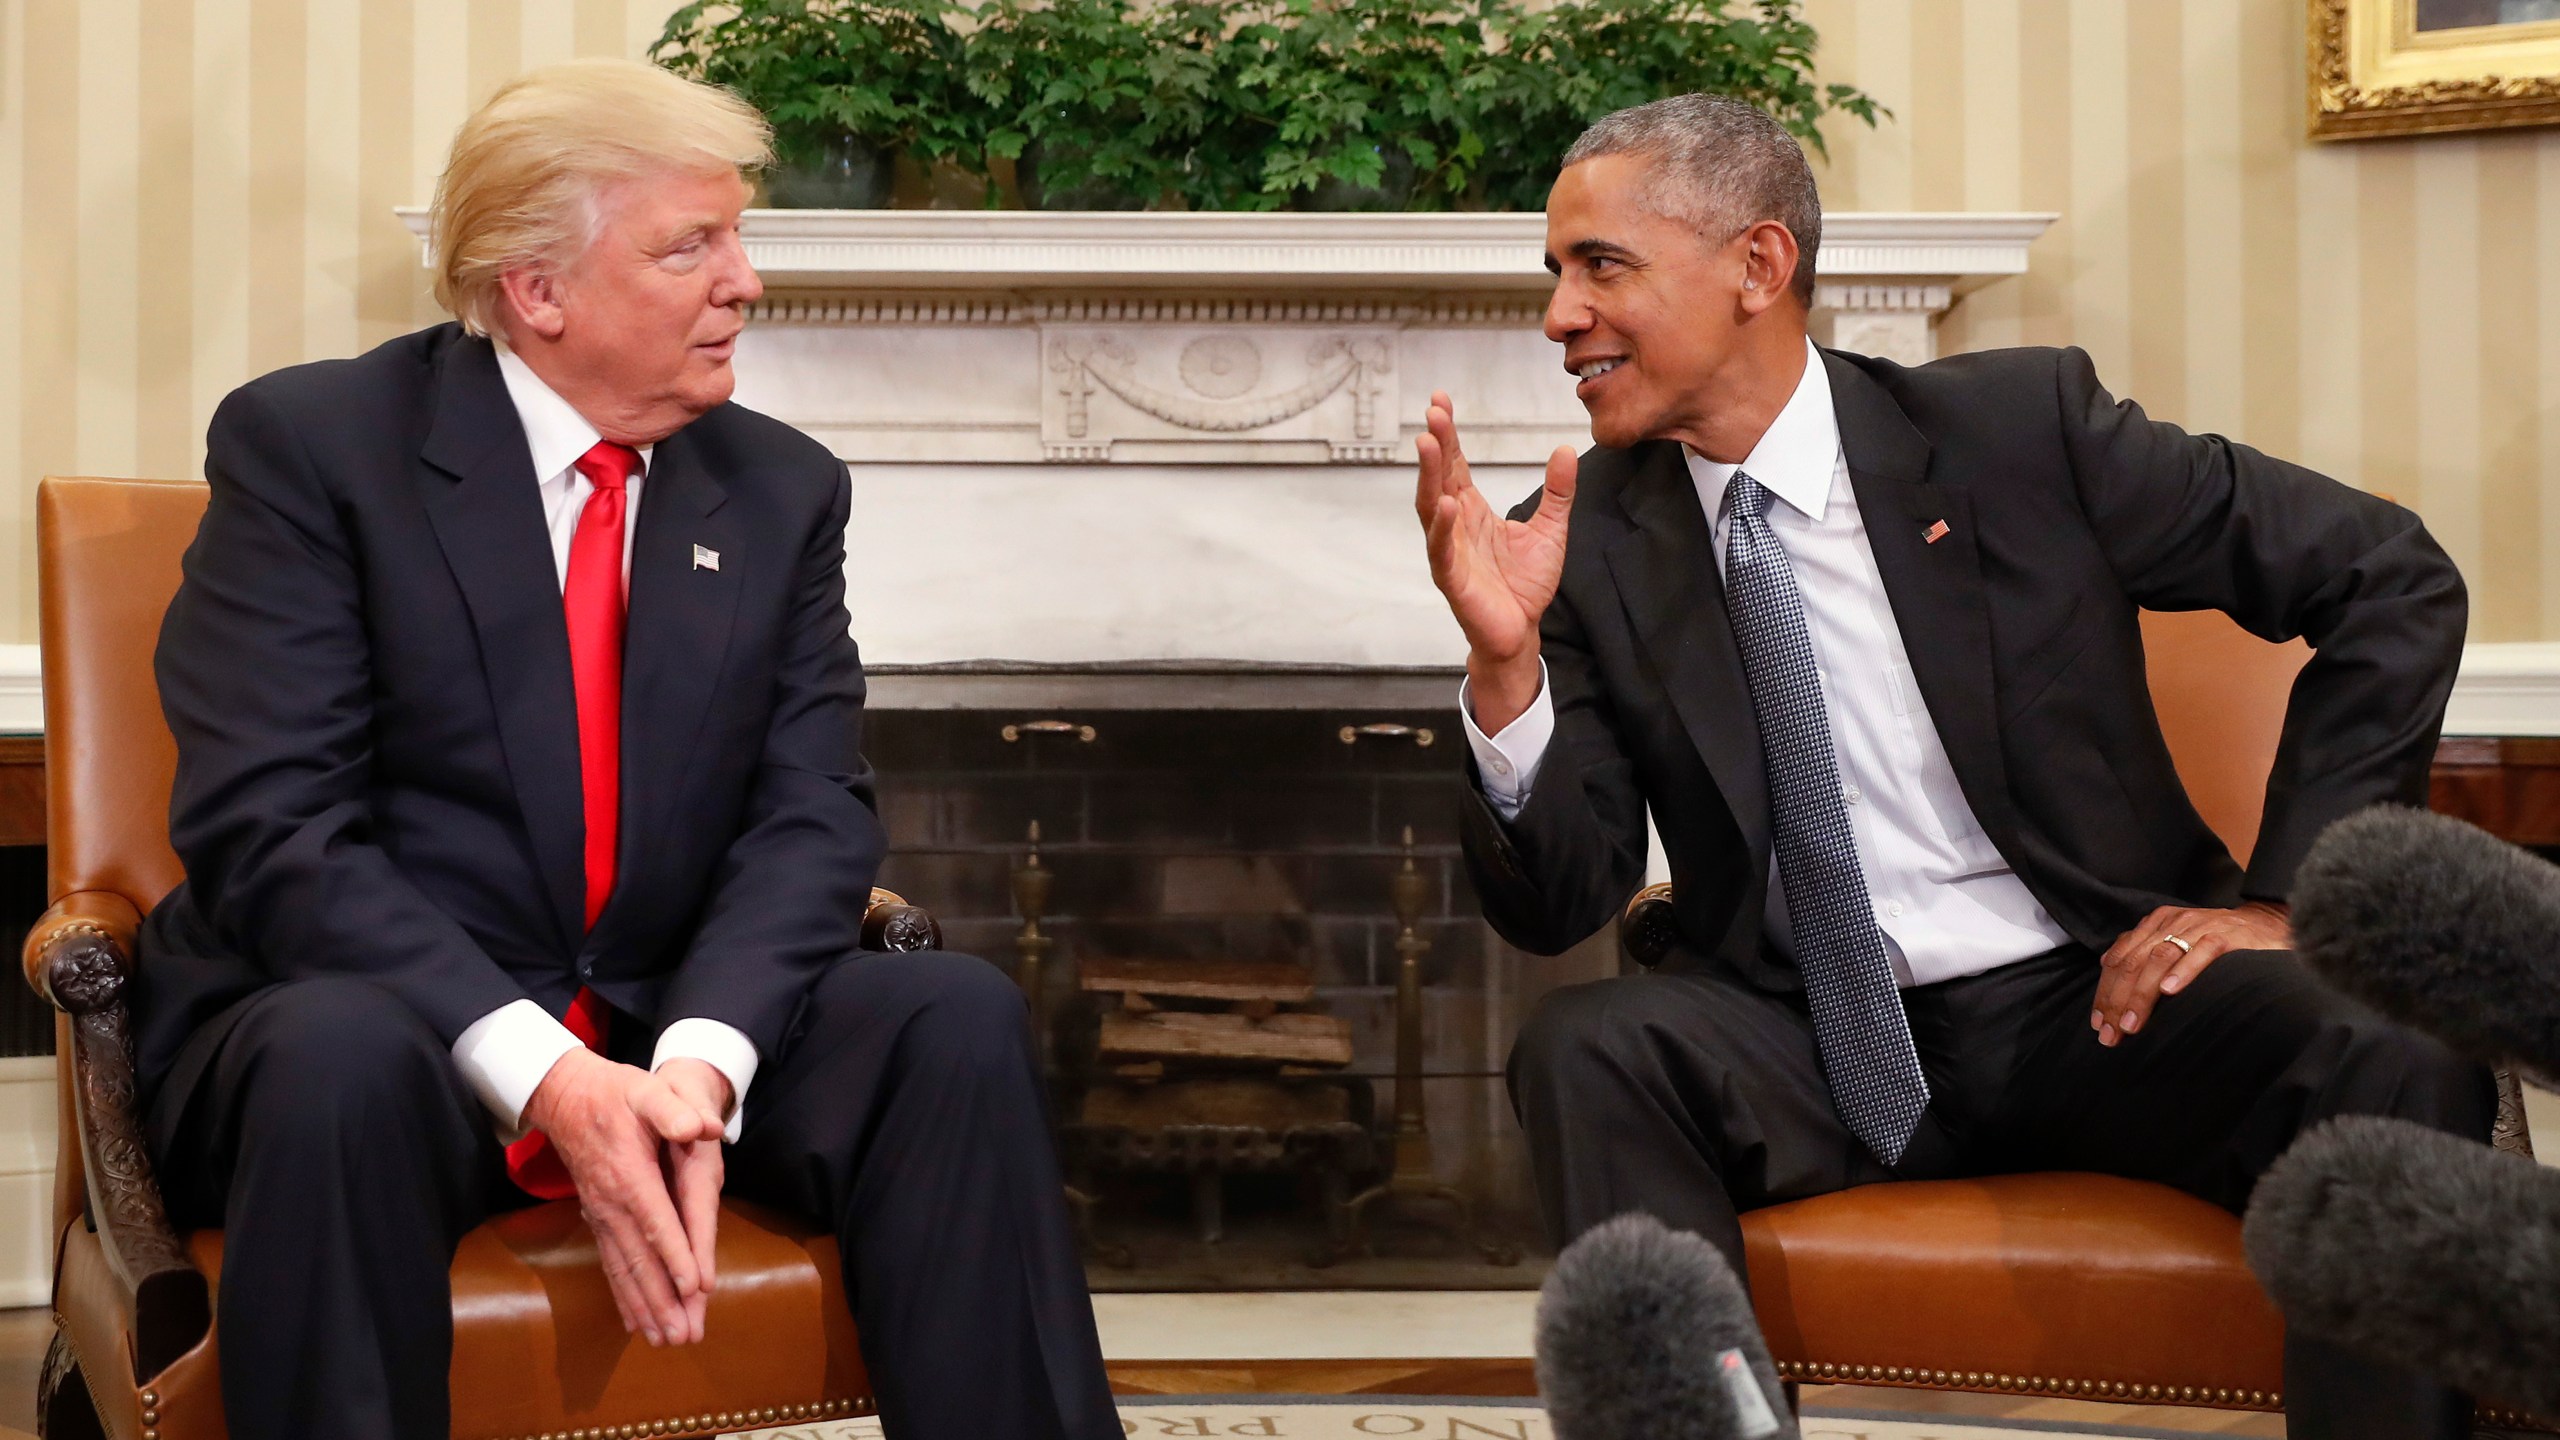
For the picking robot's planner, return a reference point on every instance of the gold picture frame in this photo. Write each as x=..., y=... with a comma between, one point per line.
x=2375, y=72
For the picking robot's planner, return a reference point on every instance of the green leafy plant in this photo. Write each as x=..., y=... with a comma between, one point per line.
x=883, y=75
x=1370, y=104
x=1567, y=66
x=1195, y=104
x=1098, y=105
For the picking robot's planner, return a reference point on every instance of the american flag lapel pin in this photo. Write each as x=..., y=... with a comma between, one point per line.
x=1936, y=532
x=705, y=558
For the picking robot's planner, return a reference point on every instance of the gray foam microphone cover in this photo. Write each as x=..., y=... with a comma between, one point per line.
x=2418, y=1248
x=1631, y=1325
x=2440, y=925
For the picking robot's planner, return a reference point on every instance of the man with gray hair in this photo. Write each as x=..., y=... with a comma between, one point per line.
x=528, y=837
x=1863, y=638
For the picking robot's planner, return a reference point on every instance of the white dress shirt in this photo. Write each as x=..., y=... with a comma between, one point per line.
x=505, y=1053
x=1948, y=904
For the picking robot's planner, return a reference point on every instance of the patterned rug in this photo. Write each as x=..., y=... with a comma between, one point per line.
x=1300, y=1417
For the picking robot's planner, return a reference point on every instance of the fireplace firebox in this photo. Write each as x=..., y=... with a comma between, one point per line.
x=1214, y=912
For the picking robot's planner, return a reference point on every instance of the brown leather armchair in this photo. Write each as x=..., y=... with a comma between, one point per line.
x=538, y=1350
x=2082, y=1286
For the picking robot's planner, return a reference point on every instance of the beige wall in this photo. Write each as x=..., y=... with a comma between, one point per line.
x=196, y=191
x=2386, y=311
x=193, y=192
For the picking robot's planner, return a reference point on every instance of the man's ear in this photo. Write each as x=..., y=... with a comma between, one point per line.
x=530, y=295
x=1768, y=265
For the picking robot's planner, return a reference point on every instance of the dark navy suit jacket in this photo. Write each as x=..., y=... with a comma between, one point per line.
x=2066, y=513
x=367, y=673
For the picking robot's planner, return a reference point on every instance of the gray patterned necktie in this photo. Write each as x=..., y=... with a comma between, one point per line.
x=1858, y=1020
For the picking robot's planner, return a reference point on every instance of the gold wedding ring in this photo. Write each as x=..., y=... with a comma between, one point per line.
x=2183, y=946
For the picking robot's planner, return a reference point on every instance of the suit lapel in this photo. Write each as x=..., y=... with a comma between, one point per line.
x=674, y=645
x=1674, y=592
x=487, y=513
x=1935, y=586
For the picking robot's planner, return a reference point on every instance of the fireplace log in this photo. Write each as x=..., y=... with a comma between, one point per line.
x=1182, y=1035
x=1275, y=982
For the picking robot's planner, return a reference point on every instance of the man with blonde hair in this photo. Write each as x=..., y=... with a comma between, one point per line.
x=528, y=835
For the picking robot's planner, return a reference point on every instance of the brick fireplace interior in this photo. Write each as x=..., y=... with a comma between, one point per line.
x=1204, y=840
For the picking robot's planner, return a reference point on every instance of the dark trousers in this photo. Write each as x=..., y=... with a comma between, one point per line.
x=1693, y=1096
x=326, y=1129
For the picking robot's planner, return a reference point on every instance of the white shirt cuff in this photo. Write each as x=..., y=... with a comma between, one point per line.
x=504, y=1055
x=722, y=1047
x=1507, y=763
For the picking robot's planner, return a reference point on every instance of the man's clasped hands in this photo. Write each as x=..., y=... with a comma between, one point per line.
x=644, y=1150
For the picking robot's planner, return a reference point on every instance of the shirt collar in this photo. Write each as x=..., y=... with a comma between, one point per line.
x=553, y=429
x=1798, y=455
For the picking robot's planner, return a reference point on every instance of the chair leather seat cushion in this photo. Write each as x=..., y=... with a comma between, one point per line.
x=2051, y=1278
x=538, y=1348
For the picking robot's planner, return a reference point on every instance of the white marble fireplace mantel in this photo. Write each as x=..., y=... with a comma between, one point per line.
x=978, y=249
x=1151, y=450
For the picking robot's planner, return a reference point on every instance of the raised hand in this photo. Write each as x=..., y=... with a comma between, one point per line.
x=1498, y=575
x=616, y=1127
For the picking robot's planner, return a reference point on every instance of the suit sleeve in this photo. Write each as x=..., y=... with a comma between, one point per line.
x=2195, y=522
x=264, y=668
x=788, y=896
x=1561, y=869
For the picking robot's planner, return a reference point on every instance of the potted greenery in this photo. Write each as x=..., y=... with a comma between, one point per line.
x=1318, y=104
x=1097, y=104
x=849, y=85
x=1372, y=103
x=1563, y=67
x=1203, y=105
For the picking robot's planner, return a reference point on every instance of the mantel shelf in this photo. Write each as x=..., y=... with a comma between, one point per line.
x=1445, y=254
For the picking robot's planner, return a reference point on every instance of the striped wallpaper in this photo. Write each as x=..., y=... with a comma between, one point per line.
x=2386, y=311
x=196, y=191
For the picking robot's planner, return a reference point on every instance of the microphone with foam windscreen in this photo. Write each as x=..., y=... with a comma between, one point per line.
x=2440, y=925
x=1645, y=1334
x=2405, y=1244
x=2418, y=1248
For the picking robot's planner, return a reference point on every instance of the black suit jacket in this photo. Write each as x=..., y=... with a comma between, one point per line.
x=2067, y=513
x=367, y=672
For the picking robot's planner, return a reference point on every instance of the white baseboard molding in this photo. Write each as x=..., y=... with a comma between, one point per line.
x=1317, y=1325
x=2542, y=1123
x=2506, y=690
x=21, y=690
x=26, y=1180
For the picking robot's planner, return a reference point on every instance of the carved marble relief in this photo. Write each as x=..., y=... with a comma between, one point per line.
x=1315, y=392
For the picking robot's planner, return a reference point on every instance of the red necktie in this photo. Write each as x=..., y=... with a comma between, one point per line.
x=593, y=600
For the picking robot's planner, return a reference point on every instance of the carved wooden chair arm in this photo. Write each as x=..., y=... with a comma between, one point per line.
x=79, y=957
x=893, y=924
x=88, y=938
x=1646, y=926
x=2511, y=1133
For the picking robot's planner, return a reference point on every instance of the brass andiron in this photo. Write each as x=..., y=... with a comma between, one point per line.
x=1031, y=882
x=1031, y=892
x=1411, y=1177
